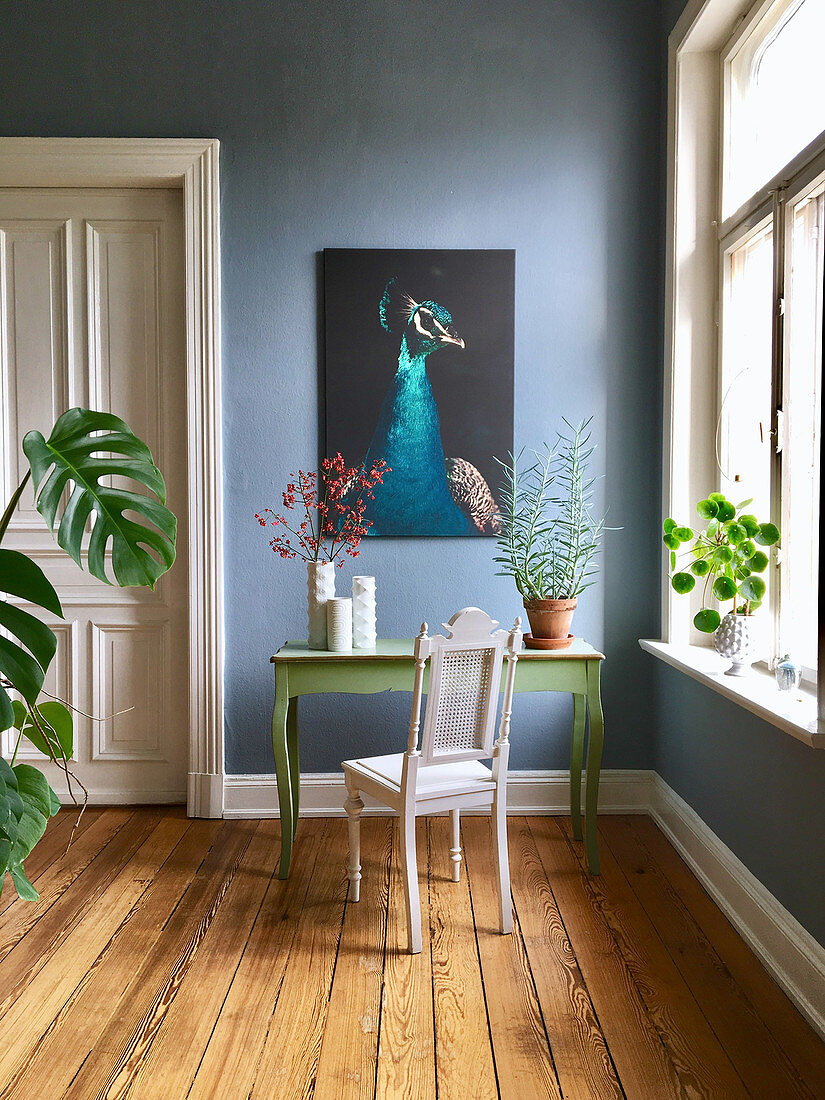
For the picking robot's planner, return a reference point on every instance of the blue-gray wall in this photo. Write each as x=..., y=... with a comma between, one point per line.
x=537, y=125
x=531, y=125
x=762, y=792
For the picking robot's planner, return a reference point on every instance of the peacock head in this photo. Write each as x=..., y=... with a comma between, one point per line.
x=429, y=328
x=426, y=326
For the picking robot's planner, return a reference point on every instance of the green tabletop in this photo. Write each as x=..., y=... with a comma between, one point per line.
x=389, y=666
x=400, y=649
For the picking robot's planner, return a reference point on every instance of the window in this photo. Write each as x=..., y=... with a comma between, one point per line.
x=775, y=87
x=744, y=320
x=800, y=440
x=771, y=298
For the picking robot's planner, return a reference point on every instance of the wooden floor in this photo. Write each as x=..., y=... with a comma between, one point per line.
x=165, y=961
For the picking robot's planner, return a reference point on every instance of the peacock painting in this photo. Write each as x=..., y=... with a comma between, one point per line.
x=430, y=398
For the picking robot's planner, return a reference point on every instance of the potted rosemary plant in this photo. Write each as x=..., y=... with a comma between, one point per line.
x=549, y=537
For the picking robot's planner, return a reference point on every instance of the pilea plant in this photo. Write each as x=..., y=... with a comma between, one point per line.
x=726, y=557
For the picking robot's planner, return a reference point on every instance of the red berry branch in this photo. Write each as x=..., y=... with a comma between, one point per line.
x=333, y=511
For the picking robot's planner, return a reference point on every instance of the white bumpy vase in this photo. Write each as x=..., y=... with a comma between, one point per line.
x=735, y=640
x=339, y=624
x=363, y=612
x=320, y=588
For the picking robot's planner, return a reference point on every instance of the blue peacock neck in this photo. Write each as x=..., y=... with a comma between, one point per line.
x=415, y=495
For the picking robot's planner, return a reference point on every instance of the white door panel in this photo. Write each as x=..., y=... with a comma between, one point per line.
x=92, y=300
x=34, y=368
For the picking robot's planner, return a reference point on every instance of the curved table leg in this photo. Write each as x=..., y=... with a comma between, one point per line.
x=294, y=764
x=282, y=769
x=576, y=756
x=594, y=763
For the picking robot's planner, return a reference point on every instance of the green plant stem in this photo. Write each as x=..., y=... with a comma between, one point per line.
x=18, y=492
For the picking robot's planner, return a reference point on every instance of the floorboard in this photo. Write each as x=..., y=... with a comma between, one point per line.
x=463, y=1048
x=165, y=959
x=289, y=1059
x=799, y=1041
x=524, y=1064
x=582, y=1060
x=701, y=1062
x=146, y=983
x=228, y=1068
x=349, y=1051
x=51, y=847
x=82, y=1019
x=760, y=1061
x=406, y=1054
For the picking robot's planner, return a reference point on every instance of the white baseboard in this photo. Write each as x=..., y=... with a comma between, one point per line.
x=541, y=792
x=123, y=796
x=787, y=950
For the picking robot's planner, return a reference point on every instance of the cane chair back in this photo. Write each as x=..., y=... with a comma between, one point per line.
x=465, y=679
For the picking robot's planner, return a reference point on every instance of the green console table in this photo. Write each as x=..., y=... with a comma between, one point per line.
x=391, y=666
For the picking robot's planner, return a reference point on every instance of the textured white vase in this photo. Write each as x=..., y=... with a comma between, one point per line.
x=320, y=587
x=735, y=640
x=363, y=612
x=339, y=624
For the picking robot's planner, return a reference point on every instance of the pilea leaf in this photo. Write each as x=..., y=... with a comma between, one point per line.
x=707, y=620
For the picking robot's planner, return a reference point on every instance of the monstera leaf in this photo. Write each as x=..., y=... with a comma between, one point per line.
x=49, y=726
x=26, y=804
x=24, y=668
x=84, y=448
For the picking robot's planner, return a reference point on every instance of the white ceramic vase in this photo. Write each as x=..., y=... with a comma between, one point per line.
x=363, y=613
x=320, y=587
x=339, y=624
x=735, y=640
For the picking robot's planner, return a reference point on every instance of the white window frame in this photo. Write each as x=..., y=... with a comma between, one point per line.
x=699, y=47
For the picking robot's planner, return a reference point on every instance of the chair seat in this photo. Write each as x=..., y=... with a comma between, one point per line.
x=461, y=777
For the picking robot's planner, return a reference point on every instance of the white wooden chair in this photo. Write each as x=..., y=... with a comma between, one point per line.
x=447, y=772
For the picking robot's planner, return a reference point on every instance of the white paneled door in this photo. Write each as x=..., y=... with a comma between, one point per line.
x=92, y=314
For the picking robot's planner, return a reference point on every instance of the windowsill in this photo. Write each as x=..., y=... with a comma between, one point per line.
x=794, y=712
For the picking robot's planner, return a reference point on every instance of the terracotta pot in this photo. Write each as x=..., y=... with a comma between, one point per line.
x=550, y=618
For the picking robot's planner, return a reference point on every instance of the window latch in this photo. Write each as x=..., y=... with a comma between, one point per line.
x=779, y=430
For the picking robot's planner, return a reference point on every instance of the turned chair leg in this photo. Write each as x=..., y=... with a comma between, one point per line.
x=410, y=868
x=505, y=901
x=455, y=845
x=354, y=806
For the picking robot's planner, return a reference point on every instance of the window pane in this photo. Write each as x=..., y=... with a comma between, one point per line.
x=801, y=449
x=744, y=451
x=776, y=96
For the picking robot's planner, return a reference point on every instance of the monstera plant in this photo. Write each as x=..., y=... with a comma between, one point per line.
x=72, y=473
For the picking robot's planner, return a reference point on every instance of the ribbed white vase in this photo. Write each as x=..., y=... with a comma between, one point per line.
x=320, y=587
x=363, y=612
x=339, y=624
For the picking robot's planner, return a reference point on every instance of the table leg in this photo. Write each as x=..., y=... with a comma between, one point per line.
x=282, y=770
x=294, y=764
x=594, y=762
x=576, y=756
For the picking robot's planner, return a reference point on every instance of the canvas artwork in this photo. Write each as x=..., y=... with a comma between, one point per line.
x=419, y=373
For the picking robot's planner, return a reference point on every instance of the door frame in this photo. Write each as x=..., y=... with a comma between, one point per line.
x=192, y=166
